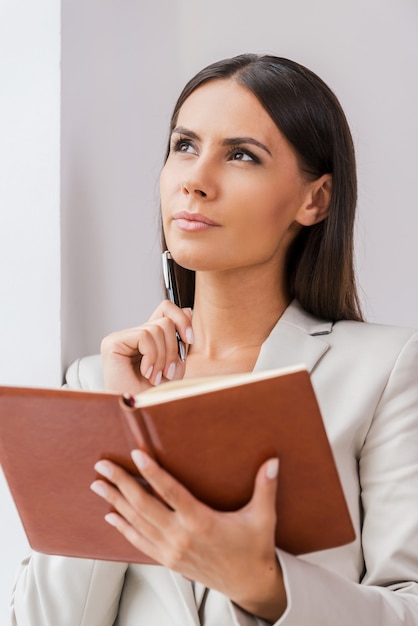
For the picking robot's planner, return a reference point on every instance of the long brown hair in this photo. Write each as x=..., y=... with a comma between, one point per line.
x=320, y=267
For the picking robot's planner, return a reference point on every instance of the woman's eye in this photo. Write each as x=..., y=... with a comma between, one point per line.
x=183, y=145
x=244, y=155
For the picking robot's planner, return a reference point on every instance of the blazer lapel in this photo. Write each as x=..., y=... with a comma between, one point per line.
x=181, y=601
x=297, y=338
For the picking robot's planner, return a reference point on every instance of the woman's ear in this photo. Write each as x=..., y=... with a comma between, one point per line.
x=316, y=205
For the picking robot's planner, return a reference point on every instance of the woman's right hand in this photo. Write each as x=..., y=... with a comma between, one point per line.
x=138, y=358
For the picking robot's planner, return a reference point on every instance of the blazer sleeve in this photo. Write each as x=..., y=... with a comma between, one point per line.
x=85, y=373
x=52, y=590
x=387, y=593
x=55, y=590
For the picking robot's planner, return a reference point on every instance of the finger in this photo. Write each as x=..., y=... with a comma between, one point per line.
x=114, y=497
x=138, y=540
x=122, y=357
x=131, y=500
x=150, y=350
x=159, y=348
x=182, y=319
x=188, y=331
x=168, y=488
x=154, y=345
x=144, y=521
x=173, y=366
x=132, y=516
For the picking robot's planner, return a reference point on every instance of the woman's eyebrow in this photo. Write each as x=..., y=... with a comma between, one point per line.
x=233, y=141
x=230, y=141
x=180, y=130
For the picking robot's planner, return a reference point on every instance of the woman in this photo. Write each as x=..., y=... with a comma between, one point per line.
x=258, y=200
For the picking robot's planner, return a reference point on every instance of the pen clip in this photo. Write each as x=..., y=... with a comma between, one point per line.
x=170, y=278
x=171, y=287
x=165, y=258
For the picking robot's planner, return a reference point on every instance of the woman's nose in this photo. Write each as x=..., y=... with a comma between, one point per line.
x=200, y=181
x=191, y=189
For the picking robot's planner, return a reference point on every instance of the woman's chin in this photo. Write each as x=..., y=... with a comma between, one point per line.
x=193, y=258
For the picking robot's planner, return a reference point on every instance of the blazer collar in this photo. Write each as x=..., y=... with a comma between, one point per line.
x=298, y=338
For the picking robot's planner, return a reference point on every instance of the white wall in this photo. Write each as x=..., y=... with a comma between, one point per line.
x=30, y=341
x=121, y=68
x=29, y=193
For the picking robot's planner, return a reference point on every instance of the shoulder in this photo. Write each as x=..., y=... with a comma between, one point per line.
x=375, y=354
x=351, y=337
x=300, y=337
x=381, y=339
x=86, y=373
x=349, y=333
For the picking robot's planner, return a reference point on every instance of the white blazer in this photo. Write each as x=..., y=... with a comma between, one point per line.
x=366, y=380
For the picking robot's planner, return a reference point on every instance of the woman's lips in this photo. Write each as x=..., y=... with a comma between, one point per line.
x=193, y=221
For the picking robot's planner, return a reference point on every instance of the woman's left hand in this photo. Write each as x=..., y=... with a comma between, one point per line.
x=231, y=552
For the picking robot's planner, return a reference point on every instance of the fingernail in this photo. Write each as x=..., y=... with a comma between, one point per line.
x=189, y=334
x=272, y=468
x=111, y=518
x=171, y=371
x=99, y=489
x=158, y=378
x=104, y=469
x=148, y=373
x=139, y=458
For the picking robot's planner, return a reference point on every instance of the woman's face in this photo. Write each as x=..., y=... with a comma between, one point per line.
x=231, y=188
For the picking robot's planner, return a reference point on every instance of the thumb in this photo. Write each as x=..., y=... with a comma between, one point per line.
x=264, y=494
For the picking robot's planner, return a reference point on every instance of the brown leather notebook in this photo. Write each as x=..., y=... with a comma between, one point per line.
x=212, y=437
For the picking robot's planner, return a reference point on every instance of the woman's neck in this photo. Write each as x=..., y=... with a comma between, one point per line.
x=233, y=315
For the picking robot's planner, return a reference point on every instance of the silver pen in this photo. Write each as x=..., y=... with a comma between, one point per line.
x=172, y=293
